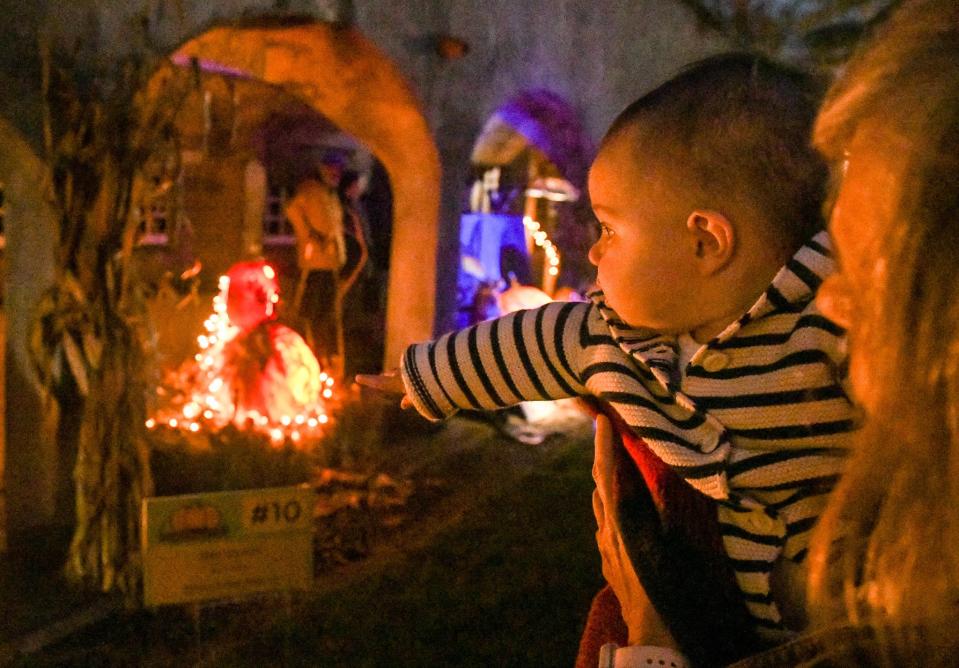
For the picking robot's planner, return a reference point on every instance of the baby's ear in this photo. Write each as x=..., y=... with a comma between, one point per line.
x=714, y=239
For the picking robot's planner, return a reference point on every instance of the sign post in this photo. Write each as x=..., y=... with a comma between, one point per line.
x=200, y=547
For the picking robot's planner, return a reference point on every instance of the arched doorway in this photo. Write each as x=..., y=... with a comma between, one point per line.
x=243, y=147
x=528, y=212
x=336, y=71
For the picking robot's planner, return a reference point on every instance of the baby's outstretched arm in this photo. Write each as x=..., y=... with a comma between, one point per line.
x=389, y=382
x=530, y=355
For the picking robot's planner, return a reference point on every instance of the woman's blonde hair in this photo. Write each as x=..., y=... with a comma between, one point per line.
x=892, y=526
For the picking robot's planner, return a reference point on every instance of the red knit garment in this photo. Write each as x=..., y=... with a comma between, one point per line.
x=603, y=625
x=681, y=508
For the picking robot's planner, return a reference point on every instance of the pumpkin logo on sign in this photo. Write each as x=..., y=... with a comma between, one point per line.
x=196, y=520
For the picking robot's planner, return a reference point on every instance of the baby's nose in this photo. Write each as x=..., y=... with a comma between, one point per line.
x=595, y=253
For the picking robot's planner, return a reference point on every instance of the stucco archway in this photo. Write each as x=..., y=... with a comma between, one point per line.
x=540, y=152
x=343, y=76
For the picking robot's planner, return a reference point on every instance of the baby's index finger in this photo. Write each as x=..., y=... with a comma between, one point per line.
x=388, y=382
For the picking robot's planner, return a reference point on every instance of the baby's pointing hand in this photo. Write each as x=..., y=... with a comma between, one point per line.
x=388, y=382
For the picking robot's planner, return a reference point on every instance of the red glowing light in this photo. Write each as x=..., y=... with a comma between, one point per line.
x=251, y=371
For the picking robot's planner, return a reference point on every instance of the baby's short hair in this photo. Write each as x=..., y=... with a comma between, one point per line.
x=734, y=131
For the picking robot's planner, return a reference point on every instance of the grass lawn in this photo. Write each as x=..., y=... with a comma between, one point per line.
x=500, y=573
x=509, y=585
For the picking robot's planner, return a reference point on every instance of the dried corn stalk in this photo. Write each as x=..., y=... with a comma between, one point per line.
x=102, y=133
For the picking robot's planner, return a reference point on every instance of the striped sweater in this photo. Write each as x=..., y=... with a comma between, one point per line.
x=758, y=420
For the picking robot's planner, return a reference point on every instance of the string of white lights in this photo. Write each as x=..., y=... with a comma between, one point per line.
x=541, y=239
x=210, y=404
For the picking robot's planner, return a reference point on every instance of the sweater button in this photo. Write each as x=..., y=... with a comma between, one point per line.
x=715, y=361
x=760, y=522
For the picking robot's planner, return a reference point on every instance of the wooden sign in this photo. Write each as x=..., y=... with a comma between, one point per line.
x=201, y=547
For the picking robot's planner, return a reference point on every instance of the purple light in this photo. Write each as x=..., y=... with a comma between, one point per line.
x=209, y=66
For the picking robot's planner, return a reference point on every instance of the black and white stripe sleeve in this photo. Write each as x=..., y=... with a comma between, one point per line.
x=524, y=356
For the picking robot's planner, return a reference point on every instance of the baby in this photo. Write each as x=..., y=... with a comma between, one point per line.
x=704, y=335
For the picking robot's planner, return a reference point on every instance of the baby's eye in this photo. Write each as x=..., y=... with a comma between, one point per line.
x=605, y=230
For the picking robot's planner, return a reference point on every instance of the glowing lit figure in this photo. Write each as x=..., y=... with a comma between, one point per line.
x=251, y=370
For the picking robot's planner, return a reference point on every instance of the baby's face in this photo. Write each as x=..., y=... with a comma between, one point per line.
x=645, y=256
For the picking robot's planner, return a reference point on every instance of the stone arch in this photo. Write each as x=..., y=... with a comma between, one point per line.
x=343, y=76
x=542, y=119
x=538, y=139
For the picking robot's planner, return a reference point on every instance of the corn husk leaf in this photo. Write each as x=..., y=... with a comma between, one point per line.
x=77, y=364
x=92, y=349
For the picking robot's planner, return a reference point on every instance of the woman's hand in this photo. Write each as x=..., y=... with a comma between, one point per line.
x=644, y=624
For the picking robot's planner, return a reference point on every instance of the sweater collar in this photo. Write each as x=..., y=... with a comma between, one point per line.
x=791, y=289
